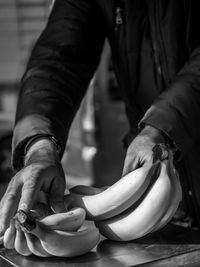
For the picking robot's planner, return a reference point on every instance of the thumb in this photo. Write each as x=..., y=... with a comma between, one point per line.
x=57, y=197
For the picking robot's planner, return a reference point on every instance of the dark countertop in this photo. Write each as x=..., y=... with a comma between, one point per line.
x=172, y=246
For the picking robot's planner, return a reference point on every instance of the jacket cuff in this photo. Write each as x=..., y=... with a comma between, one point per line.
x=171, y=126
x=31, y=127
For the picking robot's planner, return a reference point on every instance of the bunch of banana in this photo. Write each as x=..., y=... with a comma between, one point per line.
x=141, y=202
x=154, y=211
x=101, y=204
x=55, y=235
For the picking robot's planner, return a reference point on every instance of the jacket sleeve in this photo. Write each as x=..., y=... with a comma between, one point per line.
x=58, y=73
x=176, y=111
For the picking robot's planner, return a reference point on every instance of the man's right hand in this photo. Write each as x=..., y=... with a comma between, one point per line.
x=42, y=172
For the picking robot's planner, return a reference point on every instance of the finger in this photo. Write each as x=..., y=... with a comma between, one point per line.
x=130, y=164
x=8, y=205
x=57, y=196
x=40, y=210
x=30, y=192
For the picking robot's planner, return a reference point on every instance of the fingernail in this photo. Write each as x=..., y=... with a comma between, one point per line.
x=58, y=207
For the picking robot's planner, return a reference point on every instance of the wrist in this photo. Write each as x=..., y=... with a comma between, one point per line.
x=155, y=134
x=41, y=149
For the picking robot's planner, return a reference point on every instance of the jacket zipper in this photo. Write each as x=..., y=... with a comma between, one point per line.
x=119, y=21
x=118, y=18
x=119, y=5
x=160, y=43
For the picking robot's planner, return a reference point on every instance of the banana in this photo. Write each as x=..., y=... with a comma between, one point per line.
x=14, y=237
x=86, y=190
x=116, y=198
x=140, y=220
x=175, y=199
x=170, y=212
x=9, y=235
x=20, y=242
x=68, y=244
x=61, y=243
x=35, y=245
x=71, y=220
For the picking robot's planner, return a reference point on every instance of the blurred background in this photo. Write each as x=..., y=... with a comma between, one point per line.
x=94, y=153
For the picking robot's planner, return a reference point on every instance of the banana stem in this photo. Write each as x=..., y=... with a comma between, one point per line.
x=26, y=220
x=160, y=152
x=29, y=224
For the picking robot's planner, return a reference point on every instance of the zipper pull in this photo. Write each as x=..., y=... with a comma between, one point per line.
x=118, y=18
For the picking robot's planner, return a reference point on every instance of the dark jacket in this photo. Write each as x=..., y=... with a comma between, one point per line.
x=156, y=54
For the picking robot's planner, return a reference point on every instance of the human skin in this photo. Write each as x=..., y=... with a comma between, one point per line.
x=42, y=171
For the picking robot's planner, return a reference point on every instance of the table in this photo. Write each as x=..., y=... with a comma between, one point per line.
x=170, y=247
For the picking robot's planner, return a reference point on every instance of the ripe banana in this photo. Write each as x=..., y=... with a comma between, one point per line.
x=116, y=198
x=175, y=198
x=68, y=244
x=20, y=242
x=9, y=235
x=35, y=245
x=71, y=220
x=61, y=243
x=139, y=221
x=86, y=190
